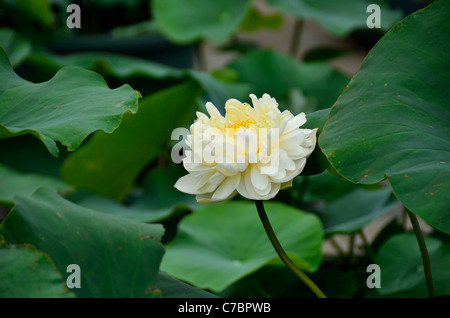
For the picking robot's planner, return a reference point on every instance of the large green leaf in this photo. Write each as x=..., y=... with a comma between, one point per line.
x=356, y=209
x=218, y=91
x=401, y=266
x=106, y=63
x=280, y=76
x=158, y=200
x=317, y=162
x=173, y=288
x=255, y=20
x=15, y=45
x=338, y=17
x=186, y=21
x=393, y=120
x=117, y=3
x=67, y=108
x=326, y=187
x=30, y=13
x=109, y=163
x=111, y=207
x=159, y=192
x=28, y=273
x=222, y=243
x=17, y=151
x=117, y=257
x=13, y=183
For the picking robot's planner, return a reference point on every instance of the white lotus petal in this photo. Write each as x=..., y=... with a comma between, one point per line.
x=255, y=102
x=207, y=197
x=200, y=115
x=295, y=122
x=213, y=111
x=226, y=188
x=298, y=152
x=212, y=183
x=259, y=181
x=292, y=139
x=188, y=183
x=273, y=191
x=299, y=165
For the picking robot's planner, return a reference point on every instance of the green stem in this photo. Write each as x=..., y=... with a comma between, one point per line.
x=282, y=254
x=351, y=249
x=337, y=247
x=367, y=245
x=424, y=252
x=296, y=36
x=201, y=58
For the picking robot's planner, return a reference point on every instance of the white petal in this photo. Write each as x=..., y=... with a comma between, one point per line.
x=272, y=166
x=268, y=100
x=247, y=189
x=286, y=162
x=213, y=111
x=188, y=183
x=249, y=193
x=212, y=183
x=255, y=102
x=226, y=188
x=230, y=169
x=299, y=165
x=242, y=190
x=299, y=152
x=292, y=139
x=234, y=107
x=273, y=191
x=259, y=181
x=310, y=138
x=200, y=115
x=295, y=122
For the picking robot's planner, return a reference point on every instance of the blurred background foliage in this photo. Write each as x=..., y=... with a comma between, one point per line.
x=94, y=204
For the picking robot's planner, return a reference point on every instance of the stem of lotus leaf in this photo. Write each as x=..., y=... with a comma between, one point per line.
x=296, y=35
x=423, y=252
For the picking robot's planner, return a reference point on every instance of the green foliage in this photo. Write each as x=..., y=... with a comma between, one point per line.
x=16, y=46
x=187, y=21
x=392, y=121
x=16, y=183
x=401, y=262
x=135, y=144
x=107, y=64
x=279, y=75
x=352, y=211
x=67, y=108
x=27, y=272
x=158, y=201
x=338, y=18
x=173, y=288
x=255, y=20
x=221, y=243
x=118, y=257
x=30, y=11
x=86, y=171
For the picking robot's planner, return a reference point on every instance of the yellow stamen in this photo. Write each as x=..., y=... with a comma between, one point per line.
x=242, y=123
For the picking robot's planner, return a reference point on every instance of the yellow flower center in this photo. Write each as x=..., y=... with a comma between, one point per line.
x=242, y=123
